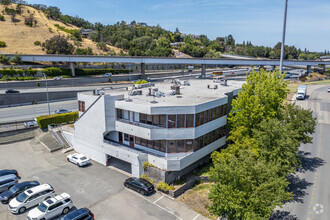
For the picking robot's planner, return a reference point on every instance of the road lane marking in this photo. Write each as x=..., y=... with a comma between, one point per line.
x=196, y=216
x=159, y=206
x=158, y=199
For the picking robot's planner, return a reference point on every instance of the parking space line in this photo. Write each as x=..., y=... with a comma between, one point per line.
x=158, y=199
x=196, y=216
x=165, y=209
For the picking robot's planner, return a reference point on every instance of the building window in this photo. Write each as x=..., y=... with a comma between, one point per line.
x=201, y=118
x=81, y=106
x=180, y=146
x=189, y=145
x=171, y=147
x=162, y=121
x=138, y=140
x=155, y=119
x=196, y=144
x=156, y=144
x=180, y=121
x=143, y=118
x=143, y=142
x=209, y=112
x=162, y=146
x=126, y=137
x=197, y=120
x=214, y=113
x=150, y=144
x=119, y=113
x=189, y=121
x=171, y=121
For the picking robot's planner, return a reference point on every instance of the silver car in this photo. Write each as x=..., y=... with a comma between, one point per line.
x=7, y=181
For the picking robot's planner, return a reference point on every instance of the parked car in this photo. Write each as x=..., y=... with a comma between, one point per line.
x=62, y=111
x=7, y=172
x=30, y=198
x=11, y=91
x=14, y=191
x=78, y=214
x=7, y=181
x=78, y=159
x=29, y=124
x=51, y=208
x=58, y=78
x=107, y=74
x=140, y=185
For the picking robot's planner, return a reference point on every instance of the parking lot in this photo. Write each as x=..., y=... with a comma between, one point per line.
x=96, y=187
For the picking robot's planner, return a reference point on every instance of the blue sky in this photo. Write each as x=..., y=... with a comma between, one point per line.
x=258, y=21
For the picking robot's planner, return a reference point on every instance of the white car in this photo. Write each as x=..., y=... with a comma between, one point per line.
x=329, y=89
x=29, y=124
x=78, y=159
x=107, y=75
x=58, y=78
x=60, y=204
x=30, y=198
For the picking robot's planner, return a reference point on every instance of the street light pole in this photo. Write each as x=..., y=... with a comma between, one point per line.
x=47, y=93
x=283, y=36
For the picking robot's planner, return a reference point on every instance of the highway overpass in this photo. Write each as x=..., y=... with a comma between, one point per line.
x=161, y=60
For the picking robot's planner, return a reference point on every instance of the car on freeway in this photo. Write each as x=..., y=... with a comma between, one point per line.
x=140, y=185
x=14, y=191
x=62, y=111
x=30, y=124
x=51, y=208
x=329, y=89
x=7, y=181
x=107, y=75
x=83, y=213
x=78, y=159
x=58, y=78
x=7, y=172
x=8, y=91
x=30, y=198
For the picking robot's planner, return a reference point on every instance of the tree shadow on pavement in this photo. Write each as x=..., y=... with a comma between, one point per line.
x=298, y=187
x=282, y=215
x=309, y=163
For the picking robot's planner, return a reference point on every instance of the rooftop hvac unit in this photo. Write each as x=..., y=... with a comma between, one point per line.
x=186, y=83
x=154, y=90
x=223, y=82
x=159, y=94
x=176, y=88
x=98, y=92
x=213, y=86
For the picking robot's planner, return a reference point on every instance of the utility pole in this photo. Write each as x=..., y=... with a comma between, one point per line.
x=47, y=93
x=283, y=36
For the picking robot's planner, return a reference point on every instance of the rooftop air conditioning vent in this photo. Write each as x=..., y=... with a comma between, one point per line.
x=153, y=102
x=186, y=83
x=179, y=96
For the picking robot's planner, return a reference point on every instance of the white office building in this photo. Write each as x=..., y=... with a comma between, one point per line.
x=172, y=125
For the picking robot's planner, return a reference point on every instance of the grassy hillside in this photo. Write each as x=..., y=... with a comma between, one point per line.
x=20, y=38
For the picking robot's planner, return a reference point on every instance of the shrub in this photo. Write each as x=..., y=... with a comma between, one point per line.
x=16, y=59
x=146, y=177
x=38, y=84
x=2, y=18
x=55, y=71
x=45, y=120
x=6, y=78
x=2, y=44
x=164, y=186
x=37, y=43
x=141, y=82
x=4, y=59
x=147, y=164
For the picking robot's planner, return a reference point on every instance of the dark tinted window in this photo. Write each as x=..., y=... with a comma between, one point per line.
x=143, y=118
x=189, y=145
x=149, y=119
x=180, y=121
x=162, y=121
x=189, y=121
x=180, y=146
x=171, y=121
x=171, y=147
x=163, y=146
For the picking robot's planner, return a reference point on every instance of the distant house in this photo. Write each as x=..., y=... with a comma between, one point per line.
x=86, y=32
x=191, y=35
x=176, y=44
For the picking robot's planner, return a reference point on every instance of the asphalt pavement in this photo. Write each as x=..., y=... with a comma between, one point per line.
x=311, y=185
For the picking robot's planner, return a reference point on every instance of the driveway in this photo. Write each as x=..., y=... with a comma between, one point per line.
x=96, y=187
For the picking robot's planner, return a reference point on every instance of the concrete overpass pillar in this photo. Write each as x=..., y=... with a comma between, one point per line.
x=273, y=68
x=143, y=70
x=72, y=67
x=309, y=69
x=203, y=70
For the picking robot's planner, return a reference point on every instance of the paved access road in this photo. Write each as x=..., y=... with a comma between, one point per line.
x=311, y=185
x=29, y=112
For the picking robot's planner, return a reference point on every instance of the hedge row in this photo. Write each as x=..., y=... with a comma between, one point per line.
x=17, y=78
x=20, y=73
x=55, y=71
x=45, y=120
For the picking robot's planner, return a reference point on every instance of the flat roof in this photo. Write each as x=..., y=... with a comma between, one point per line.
x=197, y=92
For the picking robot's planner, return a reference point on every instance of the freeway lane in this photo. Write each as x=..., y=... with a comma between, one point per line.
x=311, y=185
x=29, y=112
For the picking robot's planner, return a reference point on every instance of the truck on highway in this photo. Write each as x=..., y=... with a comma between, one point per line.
x=190, y=68
x=301, y=92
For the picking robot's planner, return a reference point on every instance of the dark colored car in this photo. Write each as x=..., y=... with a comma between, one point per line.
x=140, y=185
x=11, y=91
x=6, y=196
x=78, y=214
x=61, y=111
x=7, y=172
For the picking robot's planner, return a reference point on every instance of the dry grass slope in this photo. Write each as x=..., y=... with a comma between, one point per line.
x=20, y=38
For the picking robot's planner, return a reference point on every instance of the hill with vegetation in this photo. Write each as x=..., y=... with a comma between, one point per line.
x=37, y=29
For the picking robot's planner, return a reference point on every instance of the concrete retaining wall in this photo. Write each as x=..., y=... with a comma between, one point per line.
x=188, y=185
x=14, y=132
x=30, y=98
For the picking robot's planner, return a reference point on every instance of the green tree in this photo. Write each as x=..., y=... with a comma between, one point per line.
x=58, y=45
x=246, y=187
x=260, y=98
x=16, y=59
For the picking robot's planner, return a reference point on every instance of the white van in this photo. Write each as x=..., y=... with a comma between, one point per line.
x=30, y=198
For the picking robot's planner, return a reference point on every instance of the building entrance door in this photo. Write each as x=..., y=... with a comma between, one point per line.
x=131, y=141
